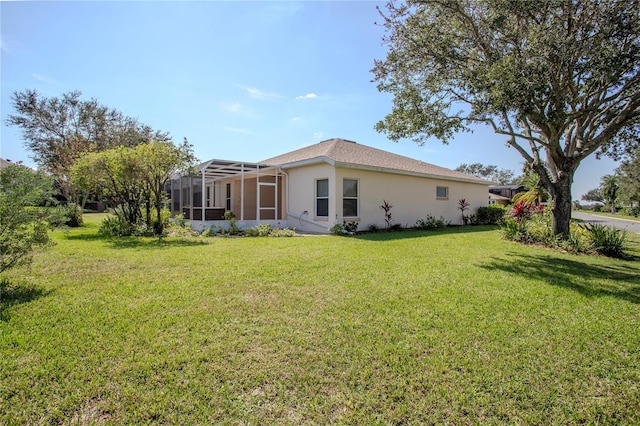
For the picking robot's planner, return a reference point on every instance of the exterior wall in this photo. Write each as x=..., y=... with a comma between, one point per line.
x=301, y=197
x=412, y=197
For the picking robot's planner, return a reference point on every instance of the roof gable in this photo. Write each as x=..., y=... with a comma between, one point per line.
x=348, y=153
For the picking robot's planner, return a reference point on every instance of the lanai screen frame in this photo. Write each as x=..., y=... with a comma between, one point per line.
x=213, y=170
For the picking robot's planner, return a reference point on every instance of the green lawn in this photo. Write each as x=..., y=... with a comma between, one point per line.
x=454, y=327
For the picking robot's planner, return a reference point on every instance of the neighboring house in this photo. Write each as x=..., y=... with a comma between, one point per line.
x=313, y=188
x=506, y=191
x=498, y=199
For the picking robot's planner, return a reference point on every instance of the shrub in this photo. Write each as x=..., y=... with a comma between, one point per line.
x=284, y=232
x=351, y=227
x=74, y=215
x=491, y=215
x=373, y=228
x=113, y=226
x=606, y=240
x=396, y=227
x=233, y=226
x=337, y=229
x=261, y=230
x=430, y=222
x=520, y=212
x=514, y=230
x=212, y=231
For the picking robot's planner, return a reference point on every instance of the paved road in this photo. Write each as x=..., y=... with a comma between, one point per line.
x=629, y=225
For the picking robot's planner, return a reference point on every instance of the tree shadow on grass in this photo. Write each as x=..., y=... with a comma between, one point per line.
x=139, y=242
x=384, y=235
x=619, y=279
x=14, y=294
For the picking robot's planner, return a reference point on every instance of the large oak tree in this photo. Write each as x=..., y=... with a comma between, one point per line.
x=559, y=78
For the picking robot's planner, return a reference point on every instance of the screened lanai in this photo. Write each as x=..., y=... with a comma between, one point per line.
x=251, y=191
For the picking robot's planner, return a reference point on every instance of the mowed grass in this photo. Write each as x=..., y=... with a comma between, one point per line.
x=455, y=327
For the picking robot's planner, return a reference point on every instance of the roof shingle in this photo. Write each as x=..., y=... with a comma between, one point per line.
x=351, y=153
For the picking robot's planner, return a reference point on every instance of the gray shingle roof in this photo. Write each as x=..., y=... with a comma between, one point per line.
x=348, y=153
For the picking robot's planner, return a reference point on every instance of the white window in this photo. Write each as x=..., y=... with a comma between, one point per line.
x=442, y=192
x=350, y=198
x=322, y=197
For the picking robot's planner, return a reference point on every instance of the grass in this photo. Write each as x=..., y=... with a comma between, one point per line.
x=455, y=326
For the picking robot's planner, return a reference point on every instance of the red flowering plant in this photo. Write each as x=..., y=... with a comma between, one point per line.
x=520, y=212
x=538, y=209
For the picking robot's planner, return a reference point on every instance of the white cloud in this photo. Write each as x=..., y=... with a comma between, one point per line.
x=318, y=135
x=45, y=79
x=307, y=96
x=239, y=130
x=232, y=107
x=295, y=118
x=261, y=94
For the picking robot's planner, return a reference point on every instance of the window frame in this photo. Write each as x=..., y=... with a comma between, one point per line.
x=323, y=197
x=356, y=198
x=446, y=190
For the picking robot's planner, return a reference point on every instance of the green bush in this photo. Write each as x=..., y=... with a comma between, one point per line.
x=430, y=222
x=284, y=232
x=261, y=230
x=350, y=227
x=606, y=240
x=113, y=226
x=337, y=229
x=396, y=227
x=74, y=215
x=373, y=228
x=491, y=215
x=514, y=230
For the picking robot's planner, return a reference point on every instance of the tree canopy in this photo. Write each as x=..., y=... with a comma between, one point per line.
x=593, y=195
x=629, y=179
x=59, y=130
x=133, y=178
x=490, y=172
x=559, y=79
x=609, y=189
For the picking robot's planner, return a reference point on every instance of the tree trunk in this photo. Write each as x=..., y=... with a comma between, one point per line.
x=561, y=197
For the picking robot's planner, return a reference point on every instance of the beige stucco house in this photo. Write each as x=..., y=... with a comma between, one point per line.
x=313, y=188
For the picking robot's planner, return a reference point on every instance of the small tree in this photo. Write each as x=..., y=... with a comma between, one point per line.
x=133, y=178
x=387, y=213
x=463, y=205
x=609, y=190
x=23, y=227
x=534, y=193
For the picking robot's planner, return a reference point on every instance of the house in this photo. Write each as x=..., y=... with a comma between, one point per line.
x=505, y=191
x=498, y=199
x=331, y=182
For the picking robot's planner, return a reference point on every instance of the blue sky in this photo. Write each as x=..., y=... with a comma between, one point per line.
x=241, y=80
